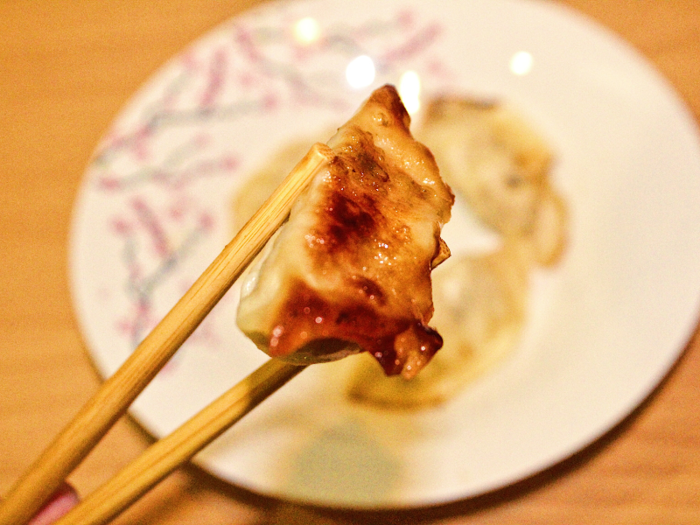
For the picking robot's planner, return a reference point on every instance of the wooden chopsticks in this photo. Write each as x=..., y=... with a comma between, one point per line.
x=167, y=454
x=119, y=391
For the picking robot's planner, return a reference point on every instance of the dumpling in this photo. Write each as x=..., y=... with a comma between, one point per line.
x=350, y=270
x=501, y=166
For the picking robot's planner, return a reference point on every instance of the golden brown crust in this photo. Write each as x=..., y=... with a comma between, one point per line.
x=351, y=269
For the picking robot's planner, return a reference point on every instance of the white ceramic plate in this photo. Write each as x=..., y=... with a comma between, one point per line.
x=605, y=327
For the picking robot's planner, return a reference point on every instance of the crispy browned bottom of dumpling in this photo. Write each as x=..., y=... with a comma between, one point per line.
x=351, y=268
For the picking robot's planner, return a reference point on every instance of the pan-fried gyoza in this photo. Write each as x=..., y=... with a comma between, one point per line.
x=350, y=270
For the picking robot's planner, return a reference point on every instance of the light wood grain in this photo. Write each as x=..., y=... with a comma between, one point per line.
x=66, y=68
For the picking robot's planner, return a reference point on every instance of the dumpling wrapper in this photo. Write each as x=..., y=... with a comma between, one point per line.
x=501, y=166
x=350, y=270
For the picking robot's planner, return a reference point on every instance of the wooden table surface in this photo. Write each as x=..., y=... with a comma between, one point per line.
x=66, y=69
